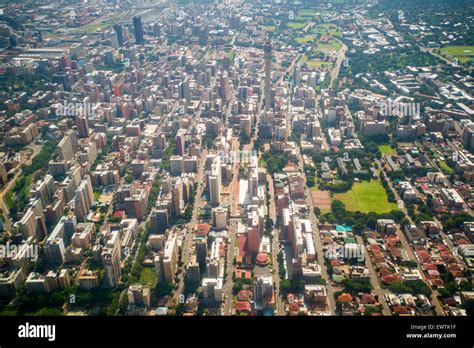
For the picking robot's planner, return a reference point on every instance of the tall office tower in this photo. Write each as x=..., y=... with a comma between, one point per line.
x=267, y=54
x=184, y=92
x=170, y=258
x=265, y=129
x=111, y=259
x=82, y=126
x=180, y=141
x=253, y=237
x=263, y=290
x=193, y=272
x=156, y=30
x=159, y=220
x=234, y=22
x=201, y=253
x=215, y=182
x=84, y=198
x=73, y=137
x=119, y=32
x=297, y=76
x=65, y=149
x=203, y=35
x=139, y=295
x=225, y=87
x=138, y=30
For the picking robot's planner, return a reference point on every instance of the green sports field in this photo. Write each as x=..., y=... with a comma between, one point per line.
x=387, y=150
x=296, y=25
x=365, y=197
x=463, y=53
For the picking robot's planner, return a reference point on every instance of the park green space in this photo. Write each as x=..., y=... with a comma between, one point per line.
x=333, y=45
x=305, y=39
x=327, y=29
x=463, y=53
x=307, y=15
x=445, y=168
x=387, y=150
x=269, y=27
x=93, y=27
x=296, y=25
x=148, y=276
x=96, y=195
x=367, y=196
x=314, y=63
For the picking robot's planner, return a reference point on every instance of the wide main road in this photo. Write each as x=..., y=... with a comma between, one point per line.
x=275, y=247
x=191, y=226
x=231, y=240
x=317, y=241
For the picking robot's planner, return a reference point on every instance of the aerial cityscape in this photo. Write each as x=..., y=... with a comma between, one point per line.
x=236, y=158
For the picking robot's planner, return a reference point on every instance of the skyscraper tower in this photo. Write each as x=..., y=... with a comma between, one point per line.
x=138, y=30
x=267, y=54
x=119, y=32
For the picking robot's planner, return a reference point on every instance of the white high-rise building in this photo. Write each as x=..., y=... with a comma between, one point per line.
x=215, y=181
x=84, y=198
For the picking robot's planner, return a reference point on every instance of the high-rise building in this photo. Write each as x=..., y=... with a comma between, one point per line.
x=253, y=236
x=263, y=291
x=119, y=32
x=84, y=198
x=65, y=150
x=82, y=126
x=180, y=142
x=193, y=272
x=159, y=220
x=203, y=35
x=111, y=259
x=212, y=288
x=201, y=253
x=267, y=54
x=44, y=190
x=169, y=259
x=138, y=30
x=135, y=204
x=219, y=218
x=139, y=295
x=214, y=177
x=59, y=239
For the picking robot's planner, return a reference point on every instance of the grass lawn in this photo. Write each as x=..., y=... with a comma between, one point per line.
x=305, y=39
x=269, y=27
x=21, y=192
x=315, y=63
x=9, y=311
x=307, y=15
x=365, y=197
x=327, y=29
x=9, y=199
x=96, y=195
x=333, y=45
x=148, y=276
x=387, y=150
x=296, y=25
x=91, y=28
x=445, y=168
x=463, y=53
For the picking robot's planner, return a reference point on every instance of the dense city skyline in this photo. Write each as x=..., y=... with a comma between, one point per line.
x=236, y=158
